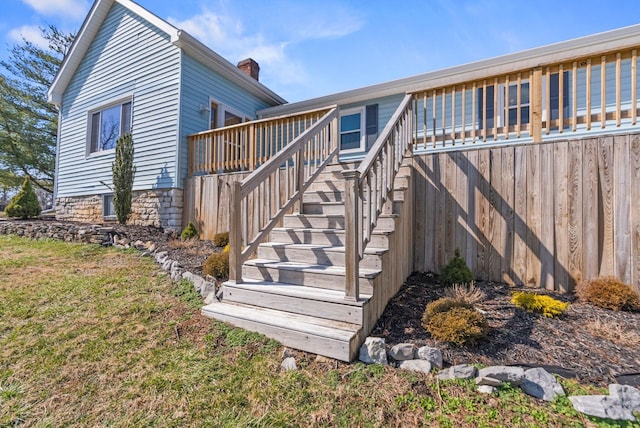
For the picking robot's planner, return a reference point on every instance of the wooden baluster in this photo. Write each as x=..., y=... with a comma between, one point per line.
x=433, y=117
x=519, y=106
x=547, y=89
x=444, y=117
x=299, y=168
x=574, y=92
x=561, y=99
x=453, y=115
x=634, y=87
x=464, y=113
x=618, y=88
x=603, y=91
x=352, y=239
x=474, y=89
x=495, y=109
x=484, y=111
x=506, y=108
x=588, y=95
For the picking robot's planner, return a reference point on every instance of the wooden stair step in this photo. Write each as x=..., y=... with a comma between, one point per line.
x=338, y=196
x=311, y=275
x=318, y=254
x=319, y=302
x=379, y=238
x=332, y=221
x=334, y=339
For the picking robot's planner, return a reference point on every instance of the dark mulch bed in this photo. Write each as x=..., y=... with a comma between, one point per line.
x=521, y=338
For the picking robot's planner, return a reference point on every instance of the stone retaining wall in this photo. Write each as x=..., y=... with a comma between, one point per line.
x=69, y=232
x=159, y=208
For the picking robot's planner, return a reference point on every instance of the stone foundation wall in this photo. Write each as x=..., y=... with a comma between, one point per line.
x=159, y=208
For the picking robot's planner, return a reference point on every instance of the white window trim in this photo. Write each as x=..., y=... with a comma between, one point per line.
x=105, y=106
x=222, y=108
x=106, y=216
x=363, y=139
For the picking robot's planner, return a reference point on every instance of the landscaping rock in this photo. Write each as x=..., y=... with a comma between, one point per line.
x=488, y=381
x=433, y=355
x=288, y=364
x=403, y=352
x=487, y=389
x=286, y=353
x=602, y=406
x=539, y=383
x=422, y=366
x=629, y=396
x=323, y=359
x=161, y=256
x=513, y=375
x=461, y=371
x=373, y=351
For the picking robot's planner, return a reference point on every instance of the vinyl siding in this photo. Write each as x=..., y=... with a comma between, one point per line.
x=198, y=84
x=129, y=57
x=386, y=107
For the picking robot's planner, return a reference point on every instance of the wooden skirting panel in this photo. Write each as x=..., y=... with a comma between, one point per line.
x=539, y=215
x=206, y=201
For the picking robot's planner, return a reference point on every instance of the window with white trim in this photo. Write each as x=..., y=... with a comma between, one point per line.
x=221, y=115
x=108, y=210
x=358, y=128
x=107, y=124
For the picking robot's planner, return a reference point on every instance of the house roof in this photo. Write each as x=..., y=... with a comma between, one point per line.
x=182, y=39
x=558, y=52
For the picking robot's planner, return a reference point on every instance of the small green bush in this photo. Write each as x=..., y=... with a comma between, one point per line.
x=25, y=204
x=459, y=325
x=532, y=302
x=456, y=271
x=189, y=232
x=608, y=293
x=217, y=265
x=221, y=239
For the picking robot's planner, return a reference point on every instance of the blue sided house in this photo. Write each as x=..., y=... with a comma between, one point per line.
x=528, y=164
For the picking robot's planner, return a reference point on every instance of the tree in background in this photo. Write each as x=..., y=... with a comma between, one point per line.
x=25, y=204
x=123, y=172
x=28, y=123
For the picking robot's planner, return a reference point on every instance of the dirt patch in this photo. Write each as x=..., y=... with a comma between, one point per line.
x=518, y=337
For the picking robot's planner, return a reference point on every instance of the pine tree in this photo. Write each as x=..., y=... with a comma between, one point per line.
x=25, y=204
x=123, y=173
x=28, y=122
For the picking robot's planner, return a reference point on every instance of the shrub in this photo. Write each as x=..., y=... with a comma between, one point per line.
x=443, y=304
x=608, y=293
x=532, y=302
x=456, y=271
x=25, y=204
x=467, y=293
x=123, y=172
x=217, y=265
x=221, y=239
x=189, y=232
x=459, y=325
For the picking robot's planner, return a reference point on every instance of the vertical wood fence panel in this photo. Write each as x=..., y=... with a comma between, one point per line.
x=542, y=216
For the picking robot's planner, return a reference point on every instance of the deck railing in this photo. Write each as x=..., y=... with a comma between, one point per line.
x=245, y=146
x=271, y=191
x=370, y=186
x=577, y=95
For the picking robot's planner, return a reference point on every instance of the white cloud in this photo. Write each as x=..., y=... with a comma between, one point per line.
x=75, y=9
x=228, y=36
x=30, y=33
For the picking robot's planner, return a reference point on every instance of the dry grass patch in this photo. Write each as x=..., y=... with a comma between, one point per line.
x=614, y=332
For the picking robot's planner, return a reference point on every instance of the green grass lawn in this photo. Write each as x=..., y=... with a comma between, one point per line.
x=98, y=337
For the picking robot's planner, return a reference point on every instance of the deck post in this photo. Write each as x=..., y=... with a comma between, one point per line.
x=536, y=105
x=352, y=232
x=235, y=233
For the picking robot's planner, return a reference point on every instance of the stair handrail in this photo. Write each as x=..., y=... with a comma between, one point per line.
x=375, y=177
x=298, y=164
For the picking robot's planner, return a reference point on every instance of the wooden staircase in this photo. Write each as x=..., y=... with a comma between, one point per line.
x=294, y=290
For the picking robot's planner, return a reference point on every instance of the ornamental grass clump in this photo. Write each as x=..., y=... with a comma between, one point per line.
x=546, y=305
x=608, y=293
x=221, y=239
x=467, y=293
x=454, y=321
x=456, y=271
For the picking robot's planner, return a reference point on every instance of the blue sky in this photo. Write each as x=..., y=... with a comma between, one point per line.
x=311, y=48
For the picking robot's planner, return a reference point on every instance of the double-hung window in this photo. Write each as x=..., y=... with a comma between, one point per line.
x=358, y=128
x=107, y=124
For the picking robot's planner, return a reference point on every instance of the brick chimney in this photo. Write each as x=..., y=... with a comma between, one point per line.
x=250, y=68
